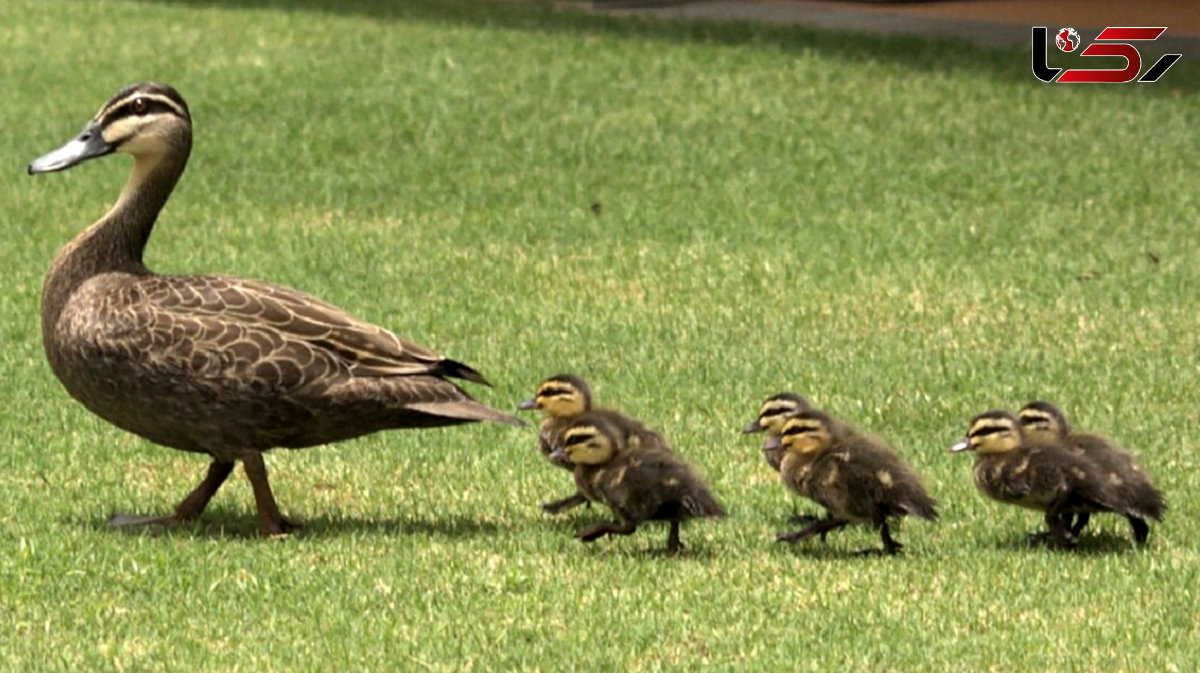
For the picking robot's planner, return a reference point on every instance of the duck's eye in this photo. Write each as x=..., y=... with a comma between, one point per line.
x=139, y=106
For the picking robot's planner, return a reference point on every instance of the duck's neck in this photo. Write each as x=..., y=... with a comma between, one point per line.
x=115, y=242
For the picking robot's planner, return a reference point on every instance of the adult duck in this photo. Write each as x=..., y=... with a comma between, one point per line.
x=218, y=365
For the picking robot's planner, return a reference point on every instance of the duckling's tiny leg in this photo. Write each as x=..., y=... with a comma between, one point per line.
x=564, y=504
x=890, y=546
x=1141, y=529
x=599, y=530
x=673, y=544
x=190, y=507
x=270, y=521
x=1081, y=521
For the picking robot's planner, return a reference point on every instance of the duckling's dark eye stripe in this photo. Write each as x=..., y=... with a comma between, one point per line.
x=987, y=430
x=577, y=438
x=799, y=429
x=554, y=392
x=775, y=411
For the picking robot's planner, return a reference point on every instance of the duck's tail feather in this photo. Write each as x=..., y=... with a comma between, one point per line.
x=458, y=370
x=467, y=410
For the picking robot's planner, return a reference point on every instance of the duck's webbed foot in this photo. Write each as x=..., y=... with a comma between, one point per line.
x=189, y=509
x=137, y=520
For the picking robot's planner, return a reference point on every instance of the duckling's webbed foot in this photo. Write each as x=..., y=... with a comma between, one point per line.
x=1052, y=539
x=1038, y=538
x=819, y=527
x=875, y=551
x=598, y=530
x=564, y=504
x=190, y=508
x=802, y=519
x=1059, y=533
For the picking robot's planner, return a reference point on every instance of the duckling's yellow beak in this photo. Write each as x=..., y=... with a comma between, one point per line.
x=528, y=404
x=963, y=445
x=773, y=443
x=753, y=427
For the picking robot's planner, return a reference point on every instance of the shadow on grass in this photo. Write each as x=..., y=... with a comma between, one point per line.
x=923, y=54
x=654, y=546
x=1090, y=544
x=818, y=551
x=223, y=524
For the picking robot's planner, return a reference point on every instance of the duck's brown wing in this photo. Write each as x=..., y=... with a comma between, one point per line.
x=366, y=349
x=246, y=342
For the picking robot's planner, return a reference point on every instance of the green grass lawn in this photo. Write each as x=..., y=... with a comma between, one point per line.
x=906, y=238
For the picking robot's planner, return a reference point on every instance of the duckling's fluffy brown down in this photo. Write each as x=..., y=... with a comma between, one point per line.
x=559, y=415
x=1120, y=474
x=642, y=483
x=857, y=479
x=1046, y=477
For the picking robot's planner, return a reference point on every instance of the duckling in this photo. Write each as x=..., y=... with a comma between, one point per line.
x=1121, y=471
x=855, y=477
x=771, y=415
x=217, y=365
x=637, y=482
x=563, y=398
x=1040, y=475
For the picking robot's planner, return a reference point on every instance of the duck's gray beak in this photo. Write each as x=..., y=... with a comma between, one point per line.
x=557, y=455
x=87, y=145
x=528, y=404
x=961, y=446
